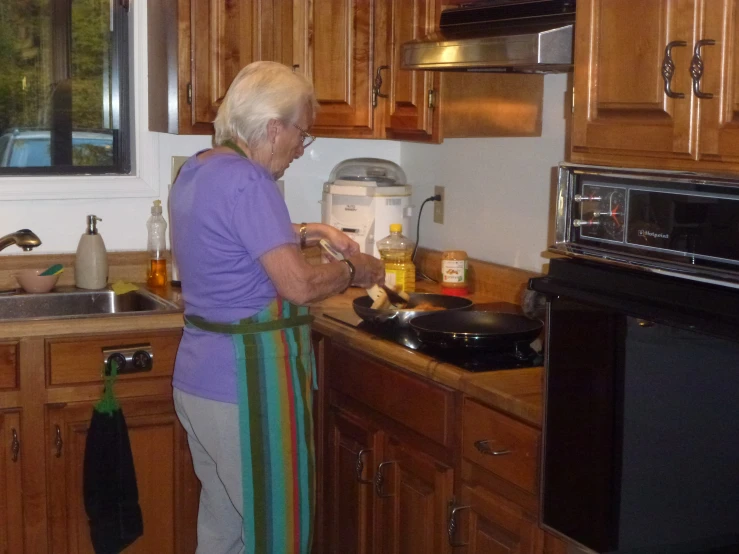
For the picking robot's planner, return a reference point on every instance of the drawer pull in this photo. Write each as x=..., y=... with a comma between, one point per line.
x=360, y=467
x=15, y=446
x=485, y=447
x=58, y=443
x=379, y=480
x=452, y=527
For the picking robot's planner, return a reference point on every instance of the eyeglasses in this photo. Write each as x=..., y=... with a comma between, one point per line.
x=307, y=137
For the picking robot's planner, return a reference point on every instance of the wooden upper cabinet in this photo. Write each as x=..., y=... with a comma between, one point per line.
x=719, y=115
x=641, y=99
x=621, y=106
x=412, y=96
x=338, y=53
x=196, y=48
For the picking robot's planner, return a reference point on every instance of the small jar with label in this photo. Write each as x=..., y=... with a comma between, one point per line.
x=454, y=273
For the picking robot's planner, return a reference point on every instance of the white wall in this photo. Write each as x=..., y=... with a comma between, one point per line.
x=59, y=223
x=498, y=191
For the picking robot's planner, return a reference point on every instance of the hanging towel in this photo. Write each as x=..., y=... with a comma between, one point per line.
x=109, y=477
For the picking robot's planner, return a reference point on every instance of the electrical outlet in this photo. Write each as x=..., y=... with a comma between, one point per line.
x=177, y=163
x=439, y=205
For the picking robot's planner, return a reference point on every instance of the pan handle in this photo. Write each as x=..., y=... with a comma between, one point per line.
x=485, y=447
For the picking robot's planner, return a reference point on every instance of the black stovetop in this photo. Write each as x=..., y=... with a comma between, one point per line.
x=516, y=356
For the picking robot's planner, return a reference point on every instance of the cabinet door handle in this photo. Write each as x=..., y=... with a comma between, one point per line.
x=15, y=446
x=668, y=69
x=378, y=85
x=452, y=527
x=58, y=442
x=360, y=467
x=485, y=447
x=696, y=68
x=379, y=480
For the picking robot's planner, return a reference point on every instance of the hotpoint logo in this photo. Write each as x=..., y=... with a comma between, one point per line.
x=350, y=208
x=651, y=234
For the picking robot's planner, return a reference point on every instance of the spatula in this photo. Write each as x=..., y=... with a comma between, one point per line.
x=395, y=298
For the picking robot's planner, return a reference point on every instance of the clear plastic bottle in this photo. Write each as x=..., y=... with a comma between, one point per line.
x=157, y=246
x=396, y=251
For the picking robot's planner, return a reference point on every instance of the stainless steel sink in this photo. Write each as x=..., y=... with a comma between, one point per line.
x=69, y=302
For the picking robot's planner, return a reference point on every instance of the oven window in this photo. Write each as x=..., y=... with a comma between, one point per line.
x=641, y=451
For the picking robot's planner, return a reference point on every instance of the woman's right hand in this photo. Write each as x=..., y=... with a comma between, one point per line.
x=368, y=270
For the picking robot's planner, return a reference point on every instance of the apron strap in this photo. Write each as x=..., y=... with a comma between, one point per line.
x=246, y=327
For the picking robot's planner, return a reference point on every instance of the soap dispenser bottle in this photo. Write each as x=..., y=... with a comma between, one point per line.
x=91, y=262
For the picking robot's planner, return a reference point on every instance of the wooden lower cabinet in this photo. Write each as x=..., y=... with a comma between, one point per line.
x=493, y=524
x=353, y=447
x=402, y=452
x=414, y=491
x=167, y=492
x=11, y=491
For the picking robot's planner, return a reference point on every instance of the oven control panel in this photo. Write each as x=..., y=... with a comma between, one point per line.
x=661, y=219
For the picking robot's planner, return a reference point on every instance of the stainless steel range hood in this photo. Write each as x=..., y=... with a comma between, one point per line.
x=525, y=36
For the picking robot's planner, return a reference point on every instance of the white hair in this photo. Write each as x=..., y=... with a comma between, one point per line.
x=262, y=91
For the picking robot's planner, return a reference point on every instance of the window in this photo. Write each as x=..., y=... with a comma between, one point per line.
x=64, y=87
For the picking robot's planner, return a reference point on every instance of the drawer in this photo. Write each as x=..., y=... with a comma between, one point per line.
x=420, y=405
x=77, y=360
x=500, y=444
x=8, y=365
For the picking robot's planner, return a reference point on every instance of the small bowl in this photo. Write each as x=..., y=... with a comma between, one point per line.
x=31, y=281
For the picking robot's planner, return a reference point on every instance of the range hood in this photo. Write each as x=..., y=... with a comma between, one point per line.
x=523, y=36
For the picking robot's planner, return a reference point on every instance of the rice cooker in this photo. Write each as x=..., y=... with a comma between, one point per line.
x=363, y=196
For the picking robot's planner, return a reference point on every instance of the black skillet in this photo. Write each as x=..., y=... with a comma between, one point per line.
x=475, y=329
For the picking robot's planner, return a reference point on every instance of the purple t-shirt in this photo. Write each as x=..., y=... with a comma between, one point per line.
x=226, y=212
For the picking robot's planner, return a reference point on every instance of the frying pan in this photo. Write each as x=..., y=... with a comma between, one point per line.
x=475, y=329
x=363, y=307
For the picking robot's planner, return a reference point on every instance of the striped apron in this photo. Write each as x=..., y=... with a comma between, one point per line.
x=275, y=381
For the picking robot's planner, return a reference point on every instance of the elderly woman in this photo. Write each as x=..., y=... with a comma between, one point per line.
x=245, y=370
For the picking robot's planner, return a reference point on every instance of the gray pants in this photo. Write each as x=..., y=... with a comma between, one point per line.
x=213, y=435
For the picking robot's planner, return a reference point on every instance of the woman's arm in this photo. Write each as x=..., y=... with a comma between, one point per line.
x=302, y=283
x=338, y=239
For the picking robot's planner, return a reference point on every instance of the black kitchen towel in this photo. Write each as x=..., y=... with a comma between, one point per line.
x=109, y=479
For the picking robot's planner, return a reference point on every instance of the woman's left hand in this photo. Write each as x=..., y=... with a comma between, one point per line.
x=340, y=241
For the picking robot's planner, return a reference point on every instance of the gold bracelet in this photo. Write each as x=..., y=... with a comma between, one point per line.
x=303, y=234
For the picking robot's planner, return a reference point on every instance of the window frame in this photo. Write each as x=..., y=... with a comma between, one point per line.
x=142, y=182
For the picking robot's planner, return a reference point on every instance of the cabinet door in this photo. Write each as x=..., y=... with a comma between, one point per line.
x=414, y=493
x=350, y=463
x=340, y=57
x=719, y=114
x=495, y=525
x=411, y=112
x=224, y=37
x=167, y=486
x=622, y=112
x=11, y=497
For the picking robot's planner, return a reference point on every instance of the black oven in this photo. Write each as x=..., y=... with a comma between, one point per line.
x=641, y=430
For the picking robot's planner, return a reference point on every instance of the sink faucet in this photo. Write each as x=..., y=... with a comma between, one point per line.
x=23, y=238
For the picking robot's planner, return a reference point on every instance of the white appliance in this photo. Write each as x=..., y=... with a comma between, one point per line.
x=363, y=196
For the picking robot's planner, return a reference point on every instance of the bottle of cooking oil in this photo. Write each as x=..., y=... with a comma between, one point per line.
x=157, y=226
x=396, y=251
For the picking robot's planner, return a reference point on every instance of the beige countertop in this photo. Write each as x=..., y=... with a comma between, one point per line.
x=517, y=392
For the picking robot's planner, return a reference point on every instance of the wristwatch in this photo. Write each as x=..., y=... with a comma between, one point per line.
x=352, y=271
